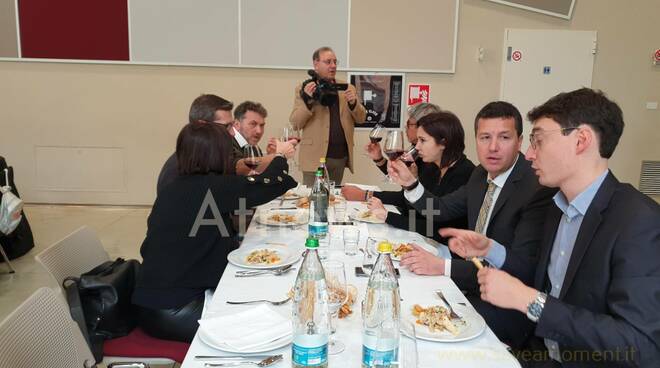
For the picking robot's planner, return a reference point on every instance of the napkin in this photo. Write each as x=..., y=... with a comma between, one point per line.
x=246, y=330
x=372, y=188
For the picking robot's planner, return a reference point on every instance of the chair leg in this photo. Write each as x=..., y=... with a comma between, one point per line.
x=4, y=256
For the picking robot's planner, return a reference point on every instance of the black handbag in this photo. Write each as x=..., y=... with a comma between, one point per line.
x=100, y=301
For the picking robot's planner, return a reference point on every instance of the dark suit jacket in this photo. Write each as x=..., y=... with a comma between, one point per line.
x=516, y=222
x=610, y=298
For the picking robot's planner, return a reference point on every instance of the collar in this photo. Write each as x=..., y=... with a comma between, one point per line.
x=239, y=138
x=501, y=179
x=579, y=204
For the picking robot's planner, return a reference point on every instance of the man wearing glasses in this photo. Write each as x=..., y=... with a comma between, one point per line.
x=327, y=129
x=595, y=294
x=209, y=108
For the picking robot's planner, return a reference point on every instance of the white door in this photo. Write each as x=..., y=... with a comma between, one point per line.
x=539, y=64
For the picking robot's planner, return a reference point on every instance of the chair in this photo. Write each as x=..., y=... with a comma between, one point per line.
x=78, y=253
x=41, y=334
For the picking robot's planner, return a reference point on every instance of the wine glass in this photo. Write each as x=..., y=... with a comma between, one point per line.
x=292, y=133
x=251, y=158
x=393, y=147
x=335, y=278
x=376, y=134
x=410, y=156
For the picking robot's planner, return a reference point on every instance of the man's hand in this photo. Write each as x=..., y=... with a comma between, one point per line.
x=466, y=243
x=352, y=193
x=373, y=151
x=422, y=262
x=351, y=97
x=503, y=290
x=271, y=148
x=285, y=148
x=377, y=209
x=399, y=173
x=309, y=89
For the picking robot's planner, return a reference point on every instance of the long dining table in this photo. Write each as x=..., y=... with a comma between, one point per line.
x=484, y=350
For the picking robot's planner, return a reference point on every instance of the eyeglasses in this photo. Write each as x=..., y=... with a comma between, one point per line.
x=226, y=125
x=534, y=141
x=330, y=61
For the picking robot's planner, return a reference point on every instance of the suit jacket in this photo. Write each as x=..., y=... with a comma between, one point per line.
x=610, y=297
x=316, y=126
x=516, y=220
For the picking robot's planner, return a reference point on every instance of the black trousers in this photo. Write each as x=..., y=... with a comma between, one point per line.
x=179, y=324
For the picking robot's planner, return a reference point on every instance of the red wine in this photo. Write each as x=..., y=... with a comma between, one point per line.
x=393, y=154
x=408, y=163
x=375, y=139
x=296, y=138
x=251, y=163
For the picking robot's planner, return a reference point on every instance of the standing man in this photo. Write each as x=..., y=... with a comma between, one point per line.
x=328, y=126
x=595, y=294
x=209, y=108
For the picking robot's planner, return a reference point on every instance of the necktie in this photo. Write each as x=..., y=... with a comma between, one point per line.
x=480, y=227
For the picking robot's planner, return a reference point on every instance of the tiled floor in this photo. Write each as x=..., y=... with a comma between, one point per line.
x=121, y=229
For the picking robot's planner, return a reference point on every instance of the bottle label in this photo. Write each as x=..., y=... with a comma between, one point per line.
x=373, y=358
x=310, y=350
x=317, y=229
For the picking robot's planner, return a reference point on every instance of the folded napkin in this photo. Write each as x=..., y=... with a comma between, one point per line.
x=372, y=188
x=246, y=330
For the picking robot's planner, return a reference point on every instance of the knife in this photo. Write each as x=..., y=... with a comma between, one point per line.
x=231, y=357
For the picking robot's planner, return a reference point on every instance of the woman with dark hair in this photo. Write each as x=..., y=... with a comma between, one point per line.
x=189, y=232
x=440, y=142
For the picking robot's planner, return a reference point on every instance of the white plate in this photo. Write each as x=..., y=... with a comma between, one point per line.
x=371, y=219
x=291, y=195
x=473, y=327
x=264, y=217
x=287, y=256
x=272, y=345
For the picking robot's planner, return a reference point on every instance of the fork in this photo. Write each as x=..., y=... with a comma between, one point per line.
x=276, y=302
x=452, y=314
x=276, y=272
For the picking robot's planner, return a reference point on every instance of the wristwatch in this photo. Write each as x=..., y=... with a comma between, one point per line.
x=412, y=186
x=535, y=308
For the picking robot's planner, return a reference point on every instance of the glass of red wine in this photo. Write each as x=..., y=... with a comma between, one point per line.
x=251, y=158
x=291, y=133
x=409, y=156
x=376, y=134
x=394, y=146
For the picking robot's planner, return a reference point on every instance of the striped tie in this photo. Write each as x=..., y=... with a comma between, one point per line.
x=485, y=208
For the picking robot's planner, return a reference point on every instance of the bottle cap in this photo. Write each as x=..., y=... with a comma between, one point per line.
x=312, y=243
x=384, y=247
x=322, y=160
x=319, y=172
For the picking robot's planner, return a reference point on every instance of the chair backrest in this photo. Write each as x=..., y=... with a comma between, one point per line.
x=41, y=334
x=74, y=255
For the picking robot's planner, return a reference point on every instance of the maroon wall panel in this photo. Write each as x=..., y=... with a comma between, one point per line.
x=74, y=29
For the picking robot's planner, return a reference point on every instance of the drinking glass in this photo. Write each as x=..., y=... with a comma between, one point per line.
x=251, y=158
x=351, y=239
x=408, y=354
x=375, y=135
x=340, y=209
x=393, y=147
x=410, y=156
x=335, y=278
x=290, y=133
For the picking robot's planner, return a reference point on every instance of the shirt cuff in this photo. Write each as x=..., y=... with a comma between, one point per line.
x=414, y=195
x=447, y=267
x=496, y=254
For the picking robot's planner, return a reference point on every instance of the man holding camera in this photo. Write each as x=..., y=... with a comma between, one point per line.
x=327, y=112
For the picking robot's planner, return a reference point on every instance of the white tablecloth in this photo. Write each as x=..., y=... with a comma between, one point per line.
x=483, y=351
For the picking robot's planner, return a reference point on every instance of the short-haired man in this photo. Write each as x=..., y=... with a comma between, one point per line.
x=327, y=130
x=248, y=128
x=596, y=286
x=502, y=199
x=209, y=108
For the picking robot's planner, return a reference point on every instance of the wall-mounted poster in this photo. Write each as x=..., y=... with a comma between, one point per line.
x=383, y=96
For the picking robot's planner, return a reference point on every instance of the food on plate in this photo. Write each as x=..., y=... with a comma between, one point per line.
x=304, y=201
x=402, y=249
x=263, y=257
x=435, y=317
x=365, y=214
x=282, y=218
x=291, y=195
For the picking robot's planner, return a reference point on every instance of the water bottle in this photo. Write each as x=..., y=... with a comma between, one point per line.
x=318, y=208
x=324, y=168
x=381, y=312
x=311, y=316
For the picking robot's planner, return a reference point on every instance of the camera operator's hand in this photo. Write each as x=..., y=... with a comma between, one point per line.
x=310, y=88
x=351, y=97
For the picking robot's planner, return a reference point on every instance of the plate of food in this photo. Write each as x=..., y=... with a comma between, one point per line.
x=401, y=248
x=264, y=257
x=282, y=217
x=366, y=216
x=432, y=323
x=304, y=201
x=291, y=195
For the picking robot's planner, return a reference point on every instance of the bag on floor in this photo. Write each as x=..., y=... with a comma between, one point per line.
x=11, y=208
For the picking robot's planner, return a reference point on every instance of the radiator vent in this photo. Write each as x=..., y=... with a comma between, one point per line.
x=649, y=181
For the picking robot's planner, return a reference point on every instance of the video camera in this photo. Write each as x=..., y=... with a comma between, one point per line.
x=326, y=91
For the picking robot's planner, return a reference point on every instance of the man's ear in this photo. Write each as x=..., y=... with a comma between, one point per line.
x=586, y=138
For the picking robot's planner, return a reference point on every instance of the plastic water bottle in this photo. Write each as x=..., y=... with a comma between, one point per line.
x=381, y=313
x=318, y=208
x=326, y=175
x=311, y=316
